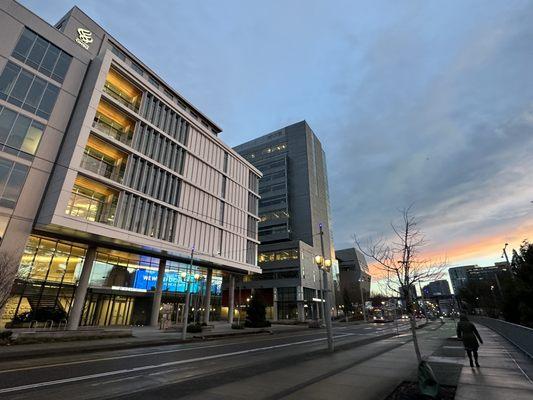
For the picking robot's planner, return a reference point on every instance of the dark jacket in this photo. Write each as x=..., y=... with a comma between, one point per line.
x=467, y=331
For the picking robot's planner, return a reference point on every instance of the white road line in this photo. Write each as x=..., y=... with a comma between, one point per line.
x=149, y=367
x=114, y=381
x=92, y=360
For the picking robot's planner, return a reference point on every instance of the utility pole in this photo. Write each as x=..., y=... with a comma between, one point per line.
x=187, y=298
x=327, y=315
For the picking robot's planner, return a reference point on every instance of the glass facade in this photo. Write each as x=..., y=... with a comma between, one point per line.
x=40, y=54
x=23, y=89
x=19, y=135
x=12, y=177
x=48, y=272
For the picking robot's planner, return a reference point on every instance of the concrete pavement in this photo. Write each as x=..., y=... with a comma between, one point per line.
x=505, y=372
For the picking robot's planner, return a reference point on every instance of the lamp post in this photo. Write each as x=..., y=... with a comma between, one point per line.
x=361, y=280
x=318, y=261
x=326, y=264
x=186, y=277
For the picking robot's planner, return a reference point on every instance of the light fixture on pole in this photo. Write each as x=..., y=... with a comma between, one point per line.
x=319, y=260
x=325, y=269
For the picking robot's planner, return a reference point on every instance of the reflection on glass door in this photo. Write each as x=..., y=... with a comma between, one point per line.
x=107, y=309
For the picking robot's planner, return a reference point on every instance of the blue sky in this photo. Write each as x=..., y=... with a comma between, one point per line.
x=420, y=102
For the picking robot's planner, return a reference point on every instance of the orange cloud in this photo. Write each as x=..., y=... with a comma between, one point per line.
x=481, y=249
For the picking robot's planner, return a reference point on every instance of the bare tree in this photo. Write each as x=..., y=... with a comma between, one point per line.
x=8, y=272
x=400, y=260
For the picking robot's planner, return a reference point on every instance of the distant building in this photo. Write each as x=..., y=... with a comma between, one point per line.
x=353, y=273
x=436, y=288
x=459, y=276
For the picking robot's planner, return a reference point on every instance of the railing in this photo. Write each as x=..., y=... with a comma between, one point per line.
x=520, y=336
x=102, y=168
x=112, y=129
x=103, y=213
x=115, y=92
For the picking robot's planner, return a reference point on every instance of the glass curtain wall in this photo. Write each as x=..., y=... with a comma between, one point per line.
x=47, y=277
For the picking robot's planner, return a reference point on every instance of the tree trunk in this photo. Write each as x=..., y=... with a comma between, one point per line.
x=412, y=322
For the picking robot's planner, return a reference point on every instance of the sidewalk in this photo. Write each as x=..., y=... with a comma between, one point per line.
x=369, y=372
x=141, y=337
x=505, y=372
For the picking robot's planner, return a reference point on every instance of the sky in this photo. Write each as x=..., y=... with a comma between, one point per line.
x=420, y=103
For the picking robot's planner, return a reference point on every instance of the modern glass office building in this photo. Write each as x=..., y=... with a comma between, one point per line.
x=294, y=203
x=109, y=178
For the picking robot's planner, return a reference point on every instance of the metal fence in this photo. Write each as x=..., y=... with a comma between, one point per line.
x=520, y=336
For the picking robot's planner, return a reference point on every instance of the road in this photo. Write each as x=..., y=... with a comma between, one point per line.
x=184, y=369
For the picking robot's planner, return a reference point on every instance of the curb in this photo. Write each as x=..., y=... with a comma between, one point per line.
x=93, y=348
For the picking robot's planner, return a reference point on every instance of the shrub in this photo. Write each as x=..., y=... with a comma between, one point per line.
x=5, y=336
x=194, y=328
x=237, y=326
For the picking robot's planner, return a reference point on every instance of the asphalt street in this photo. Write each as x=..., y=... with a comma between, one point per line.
x=141, y=372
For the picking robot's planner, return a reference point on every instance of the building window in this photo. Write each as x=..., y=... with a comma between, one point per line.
x=252, y=204
x=92, y=201
x=19, y=135
x=12, y=177
x=279, y=255
x=253, y=182
x=42, y=55
x=251, y=252
x=273, y=230
x=119, y=53
x=24, y=89
x=273, y=215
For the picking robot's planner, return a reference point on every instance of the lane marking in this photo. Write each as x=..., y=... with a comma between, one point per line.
x=92, y=360
x=154, y=366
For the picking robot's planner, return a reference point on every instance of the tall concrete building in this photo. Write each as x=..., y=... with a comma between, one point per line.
x=459, y=276
x=354, y=276
x=108, y=179
x=294, y=203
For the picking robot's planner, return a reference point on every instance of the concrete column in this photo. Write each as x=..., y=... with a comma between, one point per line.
x=207, y=297
x=300, y=303
x=231, y=299
x=156, y=303
x=274, y=304
x=79, y=296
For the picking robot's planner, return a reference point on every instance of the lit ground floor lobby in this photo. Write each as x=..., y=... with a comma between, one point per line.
x=58, y=279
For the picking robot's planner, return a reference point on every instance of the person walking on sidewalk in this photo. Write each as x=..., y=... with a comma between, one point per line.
x=467, y=332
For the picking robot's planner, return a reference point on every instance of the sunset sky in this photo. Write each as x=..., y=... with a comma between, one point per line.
x=415, y=102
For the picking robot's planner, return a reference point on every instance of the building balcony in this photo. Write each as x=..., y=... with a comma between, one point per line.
x=117, y=94
x=92, y=201
x=114, y=123
x=104, y=159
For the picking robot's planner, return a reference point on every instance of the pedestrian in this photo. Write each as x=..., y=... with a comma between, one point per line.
x=467, y=331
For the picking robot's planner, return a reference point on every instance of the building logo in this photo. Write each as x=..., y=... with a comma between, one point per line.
x=84, y=38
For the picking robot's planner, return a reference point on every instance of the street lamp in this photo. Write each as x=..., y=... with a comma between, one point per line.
x=361, y=280
x=326, y=264
x=319, y=261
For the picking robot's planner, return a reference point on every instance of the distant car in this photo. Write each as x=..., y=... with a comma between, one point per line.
x=404, y=316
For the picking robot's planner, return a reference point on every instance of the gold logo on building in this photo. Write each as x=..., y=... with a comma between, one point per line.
x=84, y=38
